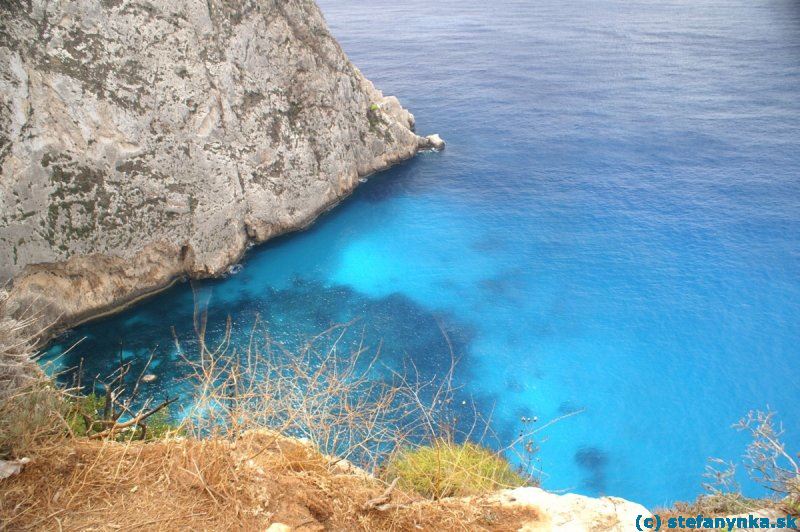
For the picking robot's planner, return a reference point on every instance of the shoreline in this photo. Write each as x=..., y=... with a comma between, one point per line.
x=58, y=328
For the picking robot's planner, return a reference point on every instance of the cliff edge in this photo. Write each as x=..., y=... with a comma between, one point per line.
x=264, y=482
x=141, y=141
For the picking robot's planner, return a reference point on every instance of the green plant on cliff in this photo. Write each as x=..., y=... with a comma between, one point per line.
x=86, y=414
x=448, y=469
x=793, y=506
x=374, y=117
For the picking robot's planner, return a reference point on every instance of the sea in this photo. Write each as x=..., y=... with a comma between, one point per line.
x=610, y=240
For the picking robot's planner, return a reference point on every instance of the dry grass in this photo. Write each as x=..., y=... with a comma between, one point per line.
x=766, y=461
x=274, y=436
x=18, y=336
x=322, y=391
x=211, y=484
x=716, y=505
x=31, y=409
x=338, y=396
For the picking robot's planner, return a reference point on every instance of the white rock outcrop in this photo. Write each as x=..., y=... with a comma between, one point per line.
x=573, y=513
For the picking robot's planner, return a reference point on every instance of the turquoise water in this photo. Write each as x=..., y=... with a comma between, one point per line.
x=614, y=227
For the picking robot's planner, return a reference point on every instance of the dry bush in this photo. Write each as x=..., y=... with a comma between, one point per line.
x=321, y=392
x=714, y=505
x=31, y=408
x=723, y=493
x=766, y=459
x=339, y=397
x=32, y=419
x=218, y=484
x=18, y=337
x=37, y=413
x=17, y=347
x=274, y=435
x=766, y=462
x=118, y=413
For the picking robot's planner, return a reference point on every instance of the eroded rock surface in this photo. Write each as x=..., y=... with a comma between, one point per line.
x=144, y=140
x=573, y=513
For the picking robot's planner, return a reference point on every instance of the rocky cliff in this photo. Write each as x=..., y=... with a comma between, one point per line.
x=141, y=141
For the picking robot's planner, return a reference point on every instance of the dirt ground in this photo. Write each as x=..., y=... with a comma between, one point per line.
x=249, y=484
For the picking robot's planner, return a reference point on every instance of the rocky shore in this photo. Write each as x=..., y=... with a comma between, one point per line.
x=144, y=142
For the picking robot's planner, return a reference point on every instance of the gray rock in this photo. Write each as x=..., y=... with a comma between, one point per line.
x=145, y=140
x=433, y=142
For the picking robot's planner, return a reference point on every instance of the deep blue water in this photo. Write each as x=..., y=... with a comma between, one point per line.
x=614, y=226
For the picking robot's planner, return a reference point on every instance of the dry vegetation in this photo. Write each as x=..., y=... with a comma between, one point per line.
x=300, y=437
x=766, y=461
x=345, y=404
x=30, y=408
x=307, y=437
x=17, y=368
x=212, y=484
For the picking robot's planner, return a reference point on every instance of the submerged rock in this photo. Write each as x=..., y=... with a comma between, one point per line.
x=143, y=141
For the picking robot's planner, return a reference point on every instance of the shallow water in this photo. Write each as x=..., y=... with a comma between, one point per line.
x=614, y=226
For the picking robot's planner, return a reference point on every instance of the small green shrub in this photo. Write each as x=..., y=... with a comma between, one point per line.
x=160, y=425
x=447, y=469
x=374, y=117
x=90, y=405
x=86, y=413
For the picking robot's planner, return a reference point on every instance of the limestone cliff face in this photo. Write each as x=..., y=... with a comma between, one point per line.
x=147, y=139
